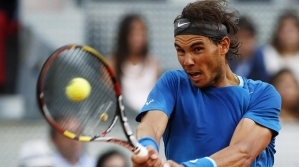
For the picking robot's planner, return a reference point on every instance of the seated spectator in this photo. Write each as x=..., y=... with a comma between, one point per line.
x=69, y=153
x=136, y=70
x=283, y=51
x=286, y=84
x=112, y=158
x=250, y=64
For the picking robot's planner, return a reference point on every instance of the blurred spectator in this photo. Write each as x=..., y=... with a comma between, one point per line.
x=286, y=84
x=8, y=45
x=136, y=70
x=250, y=64
x=112, y=158
x=35, y=153
x=69, y=153
x=283, y=51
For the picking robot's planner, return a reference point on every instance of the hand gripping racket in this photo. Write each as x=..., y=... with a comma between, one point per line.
x=80, y=97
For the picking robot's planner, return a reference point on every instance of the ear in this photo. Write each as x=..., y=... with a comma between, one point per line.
x=224, y=45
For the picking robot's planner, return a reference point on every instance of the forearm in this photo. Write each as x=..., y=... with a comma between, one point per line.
x=244, y=148
x=146, y=130
x=152, y=125
x=233, y=156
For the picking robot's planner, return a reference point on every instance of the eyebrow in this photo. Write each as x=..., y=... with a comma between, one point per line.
x=197, y=43
x=177, y=45
x=192, y=45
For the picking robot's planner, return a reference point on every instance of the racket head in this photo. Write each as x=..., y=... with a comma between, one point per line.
x=78, y=120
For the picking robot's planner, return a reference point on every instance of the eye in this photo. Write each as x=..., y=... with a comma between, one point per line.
x=197, y=49
x=180, y=50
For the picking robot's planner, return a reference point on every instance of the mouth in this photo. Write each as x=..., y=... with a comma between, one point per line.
x=195, y=76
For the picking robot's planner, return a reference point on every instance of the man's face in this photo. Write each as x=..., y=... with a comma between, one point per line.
x=68, y=148
x=203, y=61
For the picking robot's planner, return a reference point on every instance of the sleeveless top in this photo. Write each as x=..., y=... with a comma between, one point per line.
x=137, y=81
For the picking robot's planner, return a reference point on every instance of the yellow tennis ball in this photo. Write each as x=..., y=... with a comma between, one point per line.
x=104, y=117
x=78, y=89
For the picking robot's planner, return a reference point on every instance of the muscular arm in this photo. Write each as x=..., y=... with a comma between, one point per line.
x=248, y=141
x=153, y=125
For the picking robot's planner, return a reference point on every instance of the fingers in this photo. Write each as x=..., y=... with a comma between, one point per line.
x=151, y=160
x=158, y=163
x=139, y=161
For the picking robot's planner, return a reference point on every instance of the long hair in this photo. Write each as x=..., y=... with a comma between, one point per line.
x=290, y=14
x=122, y=46
x=214, y=12
x=105, y=156
x=275, y=79
x=245, y=23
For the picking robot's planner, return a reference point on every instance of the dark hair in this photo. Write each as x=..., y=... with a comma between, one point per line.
x=214, y=12
x=60, y=120
x=275, y=77
x=105, y=156
x=122, y=45
x=246, y=24
x=56, y=118
x=288, y=14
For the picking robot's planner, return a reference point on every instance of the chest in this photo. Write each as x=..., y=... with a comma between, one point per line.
x=216, y=111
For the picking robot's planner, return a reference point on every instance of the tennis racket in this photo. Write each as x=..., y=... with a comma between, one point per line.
x=90, y=118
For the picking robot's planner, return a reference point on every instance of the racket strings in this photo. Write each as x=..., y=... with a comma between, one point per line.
x=55, y=98
x=96, y=110
x=84, y=116
x=61, y=65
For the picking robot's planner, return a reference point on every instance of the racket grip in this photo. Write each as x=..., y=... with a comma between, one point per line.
x=141, y=151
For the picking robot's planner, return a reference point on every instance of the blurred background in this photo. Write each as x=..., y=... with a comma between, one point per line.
x=30, y=30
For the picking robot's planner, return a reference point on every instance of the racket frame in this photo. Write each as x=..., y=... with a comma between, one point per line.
x=132, y=143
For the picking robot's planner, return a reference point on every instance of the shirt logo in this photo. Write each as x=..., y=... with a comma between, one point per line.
x=148, y=102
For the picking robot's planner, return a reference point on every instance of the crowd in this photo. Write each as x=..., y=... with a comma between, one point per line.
x=275, y=62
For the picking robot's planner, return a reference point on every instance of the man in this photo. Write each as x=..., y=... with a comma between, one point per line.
x=70, y=153
x=250, y=64
x=207, y=115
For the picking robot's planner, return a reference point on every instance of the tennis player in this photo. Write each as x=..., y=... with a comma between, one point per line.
x=207, y=115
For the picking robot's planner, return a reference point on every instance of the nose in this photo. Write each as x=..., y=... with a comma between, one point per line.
x=188, y=60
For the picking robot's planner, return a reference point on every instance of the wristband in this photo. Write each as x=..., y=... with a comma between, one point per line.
x=202, y=162
x=148, y=141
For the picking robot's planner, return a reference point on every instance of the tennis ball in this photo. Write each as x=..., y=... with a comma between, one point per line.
x=104, y=117
x=78, y=89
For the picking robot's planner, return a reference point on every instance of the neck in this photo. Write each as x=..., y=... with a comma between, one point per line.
x=134, y=59
x=229, y=78
x=289, y=52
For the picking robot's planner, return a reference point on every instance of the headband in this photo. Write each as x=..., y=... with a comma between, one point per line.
x=185, y=27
